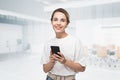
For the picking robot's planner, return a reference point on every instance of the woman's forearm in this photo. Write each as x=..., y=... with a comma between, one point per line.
x=47, y=67
x=74, y=66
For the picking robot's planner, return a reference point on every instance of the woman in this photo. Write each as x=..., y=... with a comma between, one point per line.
x=65, y=65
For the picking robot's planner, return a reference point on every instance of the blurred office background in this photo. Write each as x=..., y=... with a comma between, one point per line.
x=25, y=26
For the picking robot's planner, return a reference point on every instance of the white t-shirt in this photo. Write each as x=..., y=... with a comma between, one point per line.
x=70, y=47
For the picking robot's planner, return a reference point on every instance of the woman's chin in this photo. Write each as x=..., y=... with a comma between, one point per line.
x=58, y=31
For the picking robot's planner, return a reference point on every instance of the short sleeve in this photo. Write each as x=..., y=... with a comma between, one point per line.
x=79, y=53
x=45, y=52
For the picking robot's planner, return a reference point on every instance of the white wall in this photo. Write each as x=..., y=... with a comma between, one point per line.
x=84, y=31
x=42, y=32
x=99, y=31
x=8, y=37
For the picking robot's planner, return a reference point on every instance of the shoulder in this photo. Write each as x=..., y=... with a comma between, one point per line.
x=74, y=38
x=49, y=41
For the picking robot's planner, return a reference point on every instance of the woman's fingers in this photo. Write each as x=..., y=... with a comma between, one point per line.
x=60, y=58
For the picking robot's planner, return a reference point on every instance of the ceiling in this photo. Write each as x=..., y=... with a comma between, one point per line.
x=34, y=8
x=51, y=2
x=42, y=9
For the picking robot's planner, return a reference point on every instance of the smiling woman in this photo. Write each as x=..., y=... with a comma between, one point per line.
x=59, y=23
x=68, y=63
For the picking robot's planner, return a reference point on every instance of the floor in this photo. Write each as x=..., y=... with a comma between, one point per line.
x=28, y=67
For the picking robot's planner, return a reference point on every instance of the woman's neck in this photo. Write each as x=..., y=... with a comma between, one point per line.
x=61, y=35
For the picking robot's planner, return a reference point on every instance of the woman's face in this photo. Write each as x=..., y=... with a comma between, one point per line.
x=59, y=22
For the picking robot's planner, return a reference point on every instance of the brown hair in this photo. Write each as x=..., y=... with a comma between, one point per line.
x=62, y=11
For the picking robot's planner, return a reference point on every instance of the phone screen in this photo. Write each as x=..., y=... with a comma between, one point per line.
x=55, y=49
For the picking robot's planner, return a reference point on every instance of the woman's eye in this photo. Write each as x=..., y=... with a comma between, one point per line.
x=63, y=20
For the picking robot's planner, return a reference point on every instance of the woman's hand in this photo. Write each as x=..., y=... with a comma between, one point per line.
x=52, y=57
x=60, y=58
x=48, y=66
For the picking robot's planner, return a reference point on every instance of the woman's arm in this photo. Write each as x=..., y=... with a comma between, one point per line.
x=48, y=66
x=71, y=64
x=74, y=66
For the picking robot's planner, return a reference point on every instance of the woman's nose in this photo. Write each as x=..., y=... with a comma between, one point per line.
x=58, y=22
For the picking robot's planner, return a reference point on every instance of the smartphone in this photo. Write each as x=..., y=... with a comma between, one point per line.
x=55, y=49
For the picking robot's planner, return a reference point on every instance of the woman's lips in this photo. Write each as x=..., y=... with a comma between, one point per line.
x=58, y=28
